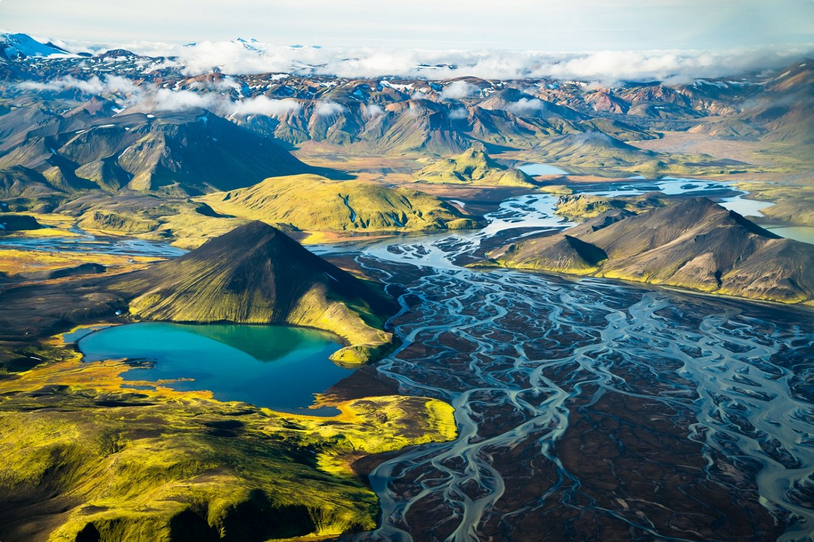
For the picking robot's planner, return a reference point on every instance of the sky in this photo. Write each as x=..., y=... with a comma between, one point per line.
x=540, y=25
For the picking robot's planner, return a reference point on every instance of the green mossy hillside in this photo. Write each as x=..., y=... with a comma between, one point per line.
x=82, y=459
x=314, y=203
x=581, y=207
x=473, y=167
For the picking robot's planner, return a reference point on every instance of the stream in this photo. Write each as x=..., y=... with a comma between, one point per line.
x=588, y=408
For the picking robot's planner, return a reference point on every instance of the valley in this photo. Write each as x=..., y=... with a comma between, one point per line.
x=299, y=306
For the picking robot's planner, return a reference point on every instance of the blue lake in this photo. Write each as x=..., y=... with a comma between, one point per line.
x=268, y=366
x=798, y=233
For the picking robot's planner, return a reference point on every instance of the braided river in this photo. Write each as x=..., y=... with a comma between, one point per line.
x=591, y=409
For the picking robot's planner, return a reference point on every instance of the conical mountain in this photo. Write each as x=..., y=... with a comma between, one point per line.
x=257, y=275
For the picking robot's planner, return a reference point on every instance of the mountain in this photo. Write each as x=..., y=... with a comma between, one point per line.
x=314, y=203
x=9, y=223
x=694, y=244
x=605, y=101
x=591, y=150
x=599, y=153
x=185, y=153
x=782, y=112
x=564, y=121
x=473, y=167
x=256, y=274
x=23, y=46
x=522, y=104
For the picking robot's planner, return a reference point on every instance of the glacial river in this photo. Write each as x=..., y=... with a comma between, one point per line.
x=586, y=409
x=592, y=409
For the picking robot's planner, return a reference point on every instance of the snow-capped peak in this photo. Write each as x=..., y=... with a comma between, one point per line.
x=23, y=45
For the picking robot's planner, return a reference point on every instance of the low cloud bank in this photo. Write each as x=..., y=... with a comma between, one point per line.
x=148, y=97
x=240, y=57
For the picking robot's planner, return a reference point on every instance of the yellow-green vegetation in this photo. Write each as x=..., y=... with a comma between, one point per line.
x=314, y=203
x=110, y=463
x=366, y=342
x=556, y=190
x=473, y=167
x=53, y=225
x=793, y=203
x=258, y=275
x=20, y=262
x=582, y=207
x=116, y=223
x=184, y=223
x=555, y=253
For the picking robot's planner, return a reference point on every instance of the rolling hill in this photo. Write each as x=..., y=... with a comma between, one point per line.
x=314, y=203
x=473, y=167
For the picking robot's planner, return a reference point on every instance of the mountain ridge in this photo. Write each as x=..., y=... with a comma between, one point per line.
x=694, y=244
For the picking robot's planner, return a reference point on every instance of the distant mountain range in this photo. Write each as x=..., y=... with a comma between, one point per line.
x=119, y=126
x=21, y=46
x=191, y=152
x=391, y=114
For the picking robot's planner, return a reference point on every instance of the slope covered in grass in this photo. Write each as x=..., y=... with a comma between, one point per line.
x=314, y=203
x=473, y=167
x=85, y=459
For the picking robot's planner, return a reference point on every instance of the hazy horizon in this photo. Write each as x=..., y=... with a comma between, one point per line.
x=557, y=26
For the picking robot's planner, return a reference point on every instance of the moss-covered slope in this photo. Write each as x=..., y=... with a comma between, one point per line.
x=473, y=167
x=581, y=207
x=314, y=203
x=693, y=244
x=258, y=275
x=82, y=459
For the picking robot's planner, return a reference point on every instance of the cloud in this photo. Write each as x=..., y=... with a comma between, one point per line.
x=220, y=104
x=525, y=106
x=374, y=110
x=148, y=97
x=262, y=105
x=94, y=85
x=459, y=113
x=606, y=67
x=326, y=109
x=180, y=100
x=458, y=89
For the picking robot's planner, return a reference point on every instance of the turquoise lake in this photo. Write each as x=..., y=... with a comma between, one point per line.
x=798, y=233
x=268, y=366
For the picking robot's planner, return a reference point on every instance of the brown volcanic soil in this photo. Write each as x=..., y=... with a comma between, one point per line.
x=632, y=457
